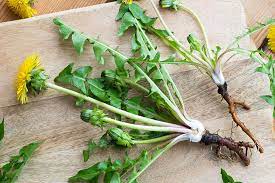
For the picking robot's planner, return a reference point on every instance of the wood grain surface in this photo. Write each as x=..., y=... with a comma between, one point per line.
x=47, y=6
x=52, y=118
x=256, y=11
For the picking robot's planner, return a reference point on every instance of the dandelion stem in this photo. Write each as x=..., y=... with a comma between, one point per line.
x=146, y=128
x=197, y=19
x=164, y=69
x=111, y=108
x=157, y=155
x=182, y=47
x=155, y=140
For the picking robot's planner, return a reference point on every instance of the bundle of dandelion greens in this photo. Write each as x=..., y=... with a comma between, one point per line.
x=147, y=131
x=201, y=56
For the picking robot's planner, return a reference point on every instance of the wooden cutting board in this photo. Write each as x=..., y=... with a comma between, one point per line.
x=53, y=118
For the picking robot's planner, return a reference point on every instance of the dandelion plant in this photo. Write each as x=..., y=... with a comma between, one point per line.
x=155, y=115
x=10, y=171
x=201, y=56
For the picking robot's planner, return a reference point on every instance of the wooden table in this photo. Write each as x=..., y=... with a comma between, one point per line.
x=64, y=134
x=256, y=10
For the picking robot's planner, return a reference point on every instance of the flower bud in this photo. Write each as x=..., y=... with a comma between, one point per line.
x=38, y=81
x=194, y=42
x=120, y=137
x=95, y=116
x=173, y=4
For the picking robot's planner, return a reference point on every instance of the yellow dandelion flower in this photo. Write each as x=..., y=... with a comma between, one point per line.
x=127, y=1
x=24, y=76
x=271, y=38
x=22, y=8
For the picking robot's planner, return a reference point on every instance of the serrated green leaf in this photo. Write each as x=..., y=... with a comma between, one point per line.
x=28, y=150
x=128, y=162
x=138, y=76
x=91, y=147
x=226, y=178
x=116, y=102
x=91, y=174
x=88, y=174
x=134, y=44
x=157, y=75
x=133, y=104
x=194, y=43
x=133, y=174
x=111, y=92
x=115, y=178
x=99, y=50
x=103, y=141
x=163, y=34
x=262, y=69
x=108, y=176
x=116, y=80
x=144, y=51
x=76, y=78
x=136, y=10
x=79, y=83
x=122, y=10
x=79, y=78
x=127, y=21
x=120, y=62
x=97, y=88
x=9, y=172
x=136, y=134
x=268, y=99
x=64, y=31
x=2, y=130
x=138, y=13
x=146, y=111
x=251, y=30
x=83, y=72
x=216, y=53
x=78, y=42
x=144, y=160
x=65, y=76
